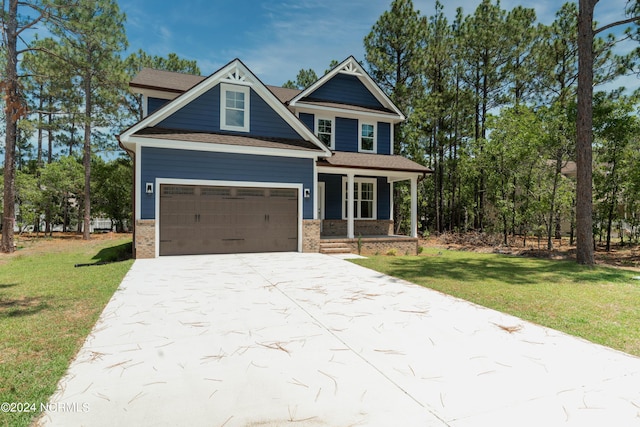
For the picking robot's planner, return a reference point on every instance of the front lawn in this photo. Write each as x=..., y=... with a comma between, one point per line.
x=47, y=308
x=601, y=304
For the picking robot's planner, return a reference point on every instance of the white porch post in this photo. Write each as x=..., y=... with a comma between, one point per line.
x=414, y=207
x=350, y=213
x=391, y=202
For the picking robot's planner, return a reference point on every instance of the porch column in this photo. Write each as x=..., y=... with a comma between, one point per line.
x=350, y=214
x=414, y=207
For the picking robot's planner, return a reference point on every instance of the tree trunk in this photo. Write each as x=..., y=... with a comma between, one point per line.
x=552, y=208
x=86, y=229
x=12, y=107
x=584, y=129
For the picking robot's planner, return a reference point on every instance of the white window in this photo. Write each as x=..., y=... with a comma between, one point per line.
x=364, y=198
x=234, y=108
x=325, y=131
x=367, y=137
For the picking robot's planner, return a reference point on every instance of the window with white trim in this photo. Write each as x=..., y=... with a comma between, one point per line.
x=367, y=140
x=325, y=131
x=364, y=198
x=234, y=108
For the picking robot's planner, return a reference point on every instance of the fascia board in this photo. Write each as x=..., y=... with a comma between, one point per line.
x=391, y=176
x=155, y=93
x=303, y=107
x=223, y=148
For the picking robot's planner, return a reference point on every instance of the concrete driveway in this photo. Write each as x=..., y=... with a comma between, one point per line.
x=313, y=340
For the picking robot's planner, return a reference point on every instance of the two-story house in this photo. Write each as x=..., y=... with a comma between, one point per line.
x=227, y=164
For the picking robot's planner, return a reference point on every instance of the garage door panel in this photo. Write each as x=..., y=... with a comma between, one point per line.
x=209, y=219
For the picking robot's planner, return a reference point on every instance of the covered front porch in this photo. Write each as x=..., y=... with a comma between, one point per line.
x=354, y=202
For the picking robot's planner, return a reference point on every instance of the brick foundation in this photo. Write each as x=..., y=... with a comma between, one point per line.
x=311, y=235
x=145, y=239
x=391, y=245
x=338, y=227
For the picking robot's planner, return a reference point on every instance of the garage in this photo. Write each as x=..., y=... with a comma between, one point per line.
x=197, y=219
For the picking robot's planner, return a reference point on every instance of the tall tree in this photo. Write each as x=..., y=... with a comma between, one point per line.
x=487, y=53
x=584, y=129
x=93, y=39
x=393, y=51
x=14, y=23
x=394, y=54
x=433, y=113
x=522, y=36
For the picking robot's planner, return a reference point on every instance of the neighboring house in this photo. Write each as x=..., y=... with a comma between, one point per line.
x=226, y=164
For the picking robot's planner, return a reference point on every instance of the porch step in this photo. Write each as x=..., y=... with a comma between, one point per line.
x=334, y=248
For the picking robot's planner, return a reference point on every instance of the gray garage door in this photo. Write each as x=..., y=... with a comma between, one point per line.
x=213, y=220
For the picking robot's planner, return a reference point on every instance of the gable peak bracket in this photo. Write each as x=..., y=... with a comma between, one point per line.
x=350, y=68
x=235, y=76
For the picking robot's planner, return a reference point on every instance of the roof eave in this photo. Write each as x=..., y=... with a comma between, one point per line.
x=376, y=168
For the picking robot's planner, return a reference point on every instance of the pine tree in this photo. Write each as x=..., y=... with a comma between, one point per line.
x=13, y=25
x=92, y=39
x=584, y=128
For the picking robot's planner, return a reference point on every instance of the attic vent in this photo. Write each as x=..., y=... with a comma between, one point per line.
x=235, y=76
x=350, y=69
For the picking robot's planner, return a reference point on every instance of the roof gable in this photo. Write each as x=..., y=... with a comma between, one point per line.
x=348, y=83
x=345, y=89
x=236, y=73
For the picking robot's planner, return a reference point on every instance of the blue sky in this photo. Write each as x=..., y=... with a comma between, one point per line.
x=276, y=38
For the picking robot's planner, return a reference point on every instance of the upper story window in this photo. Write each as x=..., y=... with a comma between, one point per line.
x=325, y=131
x=367, y=137
x=234, y=108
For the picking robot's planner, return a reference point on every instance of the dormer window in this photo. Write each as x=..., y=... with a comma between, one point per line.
x=234, y=108
x=324, y=131
x=367, y=137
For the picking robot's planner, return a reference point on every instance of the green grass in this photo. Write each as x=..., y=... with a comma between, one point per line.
x=600, y=304
x=47, y=308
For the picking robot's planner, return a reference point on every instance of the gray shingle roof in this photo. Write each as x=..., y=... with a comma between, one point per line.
x=372, y=161
x=169, y=81
x=149, y=78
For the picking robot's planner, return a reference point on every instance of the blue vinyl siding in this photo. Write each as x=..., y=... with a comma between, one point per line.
x=384, y=192
x=333, y=196
x=384, y=138
x=184, y=164
x=155, y=103
x=203, y=114
x=346, y=134
x=309, y=121
x=346, y=89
